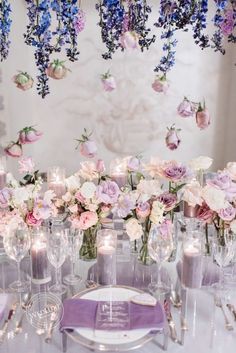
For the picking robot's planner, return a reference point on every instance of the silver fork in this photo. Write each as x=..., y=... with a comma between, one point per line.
x=218, y=303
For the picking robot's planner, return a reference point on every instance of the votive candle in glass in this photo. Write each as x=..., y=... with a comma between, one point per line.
x=39, y=260
x=192, y=271
x=106, y=256
x=118, y=172
x=3, y=173
x=56, y=181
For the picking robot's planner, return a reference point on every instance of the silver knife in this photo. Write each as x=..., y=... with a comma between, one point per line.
x=3, y=331
x=232, y=309
x=173, y=334
x=53, y=318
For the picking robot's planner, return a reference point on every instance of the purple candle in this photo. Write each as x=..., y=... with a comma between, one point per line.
x=192, y=266
x=58, y=187
x=190, y=211
x=3, y=179
x=106, y=265
x=39, y=261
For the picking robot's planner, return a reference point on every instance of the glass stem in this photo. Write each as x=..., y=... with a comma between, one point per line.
x=18, y=272
x=58, y=277
x=158, y=275
x=222, y=277
x=73, y=267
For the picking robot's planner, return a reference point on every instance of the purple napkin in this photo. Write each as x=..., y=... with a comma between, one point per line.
x=82, y=313
x=210, y=272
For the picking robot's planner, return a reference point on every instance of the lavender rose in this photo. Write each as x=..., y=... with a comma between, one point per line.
x=174, y=171
x=88, y=149
x=172, y=138
x=143, y=210
x=169, y=200
x=228, y=213
x=186, y=108
x=223, y=182
x=108, y=192
x=160, y=84
x=129, y=40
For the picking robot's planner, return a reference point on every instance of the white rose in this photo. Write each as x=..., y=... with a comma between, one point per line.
x=73, y=208
x=92, y=207
x=157, y=213
x=88, y=170
x=134, y=229
x=233, y=226
x=201, y=163
x=67, y=197
x=20, y=195
x=49, y=196
x=153, y=167
x=73, y=183
x=214, y=198
x=231, y=169
x=88, y=190
x=192, y=194
x=148, y=188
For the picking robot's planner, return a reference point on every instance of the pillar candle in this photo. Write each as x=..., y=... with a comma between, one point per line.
x=39, y=261
x=192, y=267
x=106, y=265
x=58, y=187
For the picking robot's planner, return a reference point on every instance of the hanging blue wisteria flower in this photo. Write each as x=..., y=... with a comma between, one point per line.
x=5, y=27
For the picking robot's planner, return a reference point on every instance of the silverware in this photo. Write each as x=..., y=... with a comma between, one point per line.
x=3, y=331
x=173, y=334
x=24, y=305
x=175, y=299
x=232, y=309
x=183, y=322
x=219, y=304
x=50, y=327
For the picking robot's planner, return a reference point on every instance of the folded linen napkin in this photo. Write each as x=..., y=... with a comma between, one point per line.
x=83, y=312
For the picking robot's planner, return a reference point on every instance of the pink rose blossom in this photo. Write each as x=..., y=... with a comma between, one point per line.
x=143, y=210
x=203, y=118
x=57, y=70
x=23, y=81
x=160, y=85
x=88, y=149
x=87, y=220
x=129, y=40
x=14, y=149
x=228, y=213
x=26, y=165
x=100, y=166
x=5, y=195
x=79, y=197
x=32, y=221
x=79, y=23
x=174, y=171
x=108, y=192
x=172, y=138
x=186, y=108
x=29, y=135
x=222, y=181
x=205, y=214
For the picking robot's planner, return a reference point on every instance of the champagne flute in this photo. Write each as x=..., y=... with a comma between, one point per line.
x=16, y=244
x=57, y=248
x=75, y=239
x=160, y=247
x=223, y=255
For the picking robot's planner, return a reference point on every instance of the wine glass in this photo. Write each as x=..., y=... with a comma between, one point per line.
x=160, y=247
x=75, y=239
x=16, y=244
x=57, y=248
x=223, y=255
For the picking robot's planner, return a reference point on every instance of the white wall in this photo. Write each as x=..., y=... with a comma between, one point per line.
x=131, y=119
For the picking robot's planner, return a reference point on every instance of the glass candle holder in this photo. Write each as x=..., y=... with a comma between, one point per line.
x=106, y=256
x=118, y=172
x=3, y=172
x=192, y=260
x=56, y=180
x=39, y=260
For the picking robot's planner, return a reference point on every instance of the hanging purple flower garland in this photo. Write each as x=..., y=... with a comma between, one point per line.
x=5, y=27
x=112, y=15
x=38, y=35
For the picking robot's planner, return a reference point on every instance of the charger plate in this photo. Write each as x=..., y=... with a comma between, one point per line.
x=111, y=340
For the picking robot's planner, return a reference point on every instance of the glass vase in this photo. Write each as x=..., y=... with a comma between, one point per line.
x=88, y=250
x=144, y=256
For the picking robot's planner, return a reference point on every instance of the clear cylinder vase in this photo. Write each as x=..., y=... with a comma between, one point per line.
x=88, y=250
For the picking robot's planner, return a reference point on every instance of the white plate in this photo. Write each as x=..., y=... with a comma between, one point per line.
x=113, y=338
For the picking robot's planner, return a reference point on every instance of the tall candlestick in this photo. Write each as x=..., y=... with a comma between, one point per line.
x=106, y=256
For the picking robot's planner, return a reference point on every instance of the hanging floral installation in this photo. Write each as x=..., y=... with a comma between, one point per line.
x=46, y=40
x=124, y=25
x=5, y=26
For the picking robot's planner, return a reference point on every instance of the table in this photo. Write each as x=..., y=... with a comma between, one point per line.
x=205, y=334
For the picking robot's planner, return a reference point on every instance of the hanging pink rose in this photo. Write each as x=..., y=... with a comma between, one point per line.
x=57, y=70
x=79, y=23
x=23, y=81
x=160, y=84
x=172, y=138
x=129, y=40
x=203, y=118
x=29, y=135
x=133, y=164
x=186, y=108
x=14, y=149
x=108, y=82
x=88, y=149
